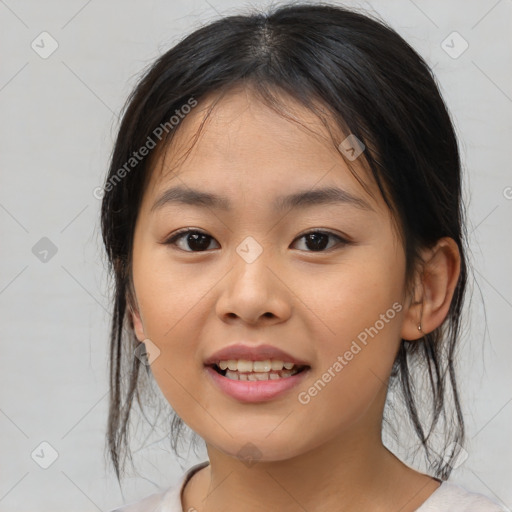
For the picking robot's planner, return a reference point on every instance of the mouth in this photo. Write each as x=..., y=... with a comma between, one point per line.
x=251, y=374
x=246, y=370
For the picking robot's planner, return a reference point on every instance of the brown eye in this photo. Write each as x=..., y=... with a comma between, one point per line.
x=193, y=240
x=197, y=241
x=317, y=241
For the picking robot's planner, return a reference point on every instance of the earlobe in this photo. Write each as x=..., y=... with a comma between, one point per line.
x=437, y=282
x=136, y=321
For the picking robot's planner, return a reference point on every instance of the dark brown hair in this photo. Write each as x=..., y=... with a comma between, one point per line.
x=373, y=85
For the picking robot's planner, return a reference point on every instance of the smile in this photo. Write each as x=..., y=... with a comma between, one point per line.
x=255, y=381
x=245, y=370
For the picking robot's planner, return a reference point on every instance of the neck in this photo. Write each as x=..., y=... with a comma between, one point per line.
x=350, y=473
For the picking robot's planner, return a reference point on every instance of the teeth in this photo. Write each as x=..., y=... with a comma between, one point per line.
x=261, y=366
x=277, y=365
x=243, y=365
x=254, y=376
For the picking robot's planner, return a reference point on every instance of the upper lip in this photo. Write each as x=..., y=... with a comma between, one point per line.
x=252, y=353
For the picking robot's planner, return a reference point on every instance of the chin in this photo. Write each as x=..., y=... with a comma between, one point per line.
x=259, y=448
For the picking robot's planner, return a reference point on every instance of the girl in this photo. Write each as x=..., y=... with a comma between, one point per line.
x=283, y=218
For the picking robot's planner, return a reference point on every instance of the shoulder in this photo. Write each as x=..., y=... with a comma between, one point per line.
x=168, y=500
x=450, y=497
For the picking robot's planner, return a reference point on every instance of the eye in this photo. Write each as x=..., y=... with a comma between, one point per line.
x=195, y=239
x=198, y=241
x=318, y=240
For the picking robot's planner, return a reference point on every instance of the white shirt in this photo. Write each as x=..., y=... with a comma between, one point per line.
x=448, y=497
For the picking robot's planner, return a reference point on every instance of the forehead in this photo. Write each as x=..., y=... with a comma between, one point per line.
x=234, y=138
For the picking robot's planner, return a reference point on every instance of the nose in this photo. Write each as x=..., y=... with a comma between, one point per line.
x=254, y=293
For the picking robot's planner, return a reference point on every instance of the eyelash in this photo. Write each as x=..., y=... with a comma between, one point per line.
x=185, y=231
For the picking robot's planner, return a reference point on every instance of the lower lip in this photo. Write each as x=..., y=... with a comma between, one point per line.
x=255, y=391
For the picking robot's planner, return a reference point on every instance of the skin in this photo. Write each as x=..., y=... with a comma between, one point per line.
x=312, y=304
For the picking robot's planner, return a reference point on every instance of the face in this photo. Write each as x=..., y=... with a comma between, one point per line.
x=322, y=281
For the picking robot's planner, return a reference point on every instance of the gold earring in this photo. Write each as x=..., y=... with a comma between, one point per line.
x=421, y=314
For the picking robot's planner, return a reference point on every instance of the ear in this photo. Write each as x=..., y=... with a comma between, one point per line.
x=136, y=321
x=435, y=284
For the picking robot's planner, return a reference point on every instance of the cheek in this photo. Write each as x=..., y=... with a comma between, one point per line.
x=169, y=295
x=361, y=317
x=353, y=298
x=170, y=303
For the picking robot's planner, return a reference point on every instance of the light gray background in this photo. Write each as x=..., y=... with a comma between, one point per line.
x=59, y=117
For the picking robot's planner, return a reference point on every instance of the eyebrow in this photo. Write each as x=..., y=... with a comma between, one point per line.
x=307, y=198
